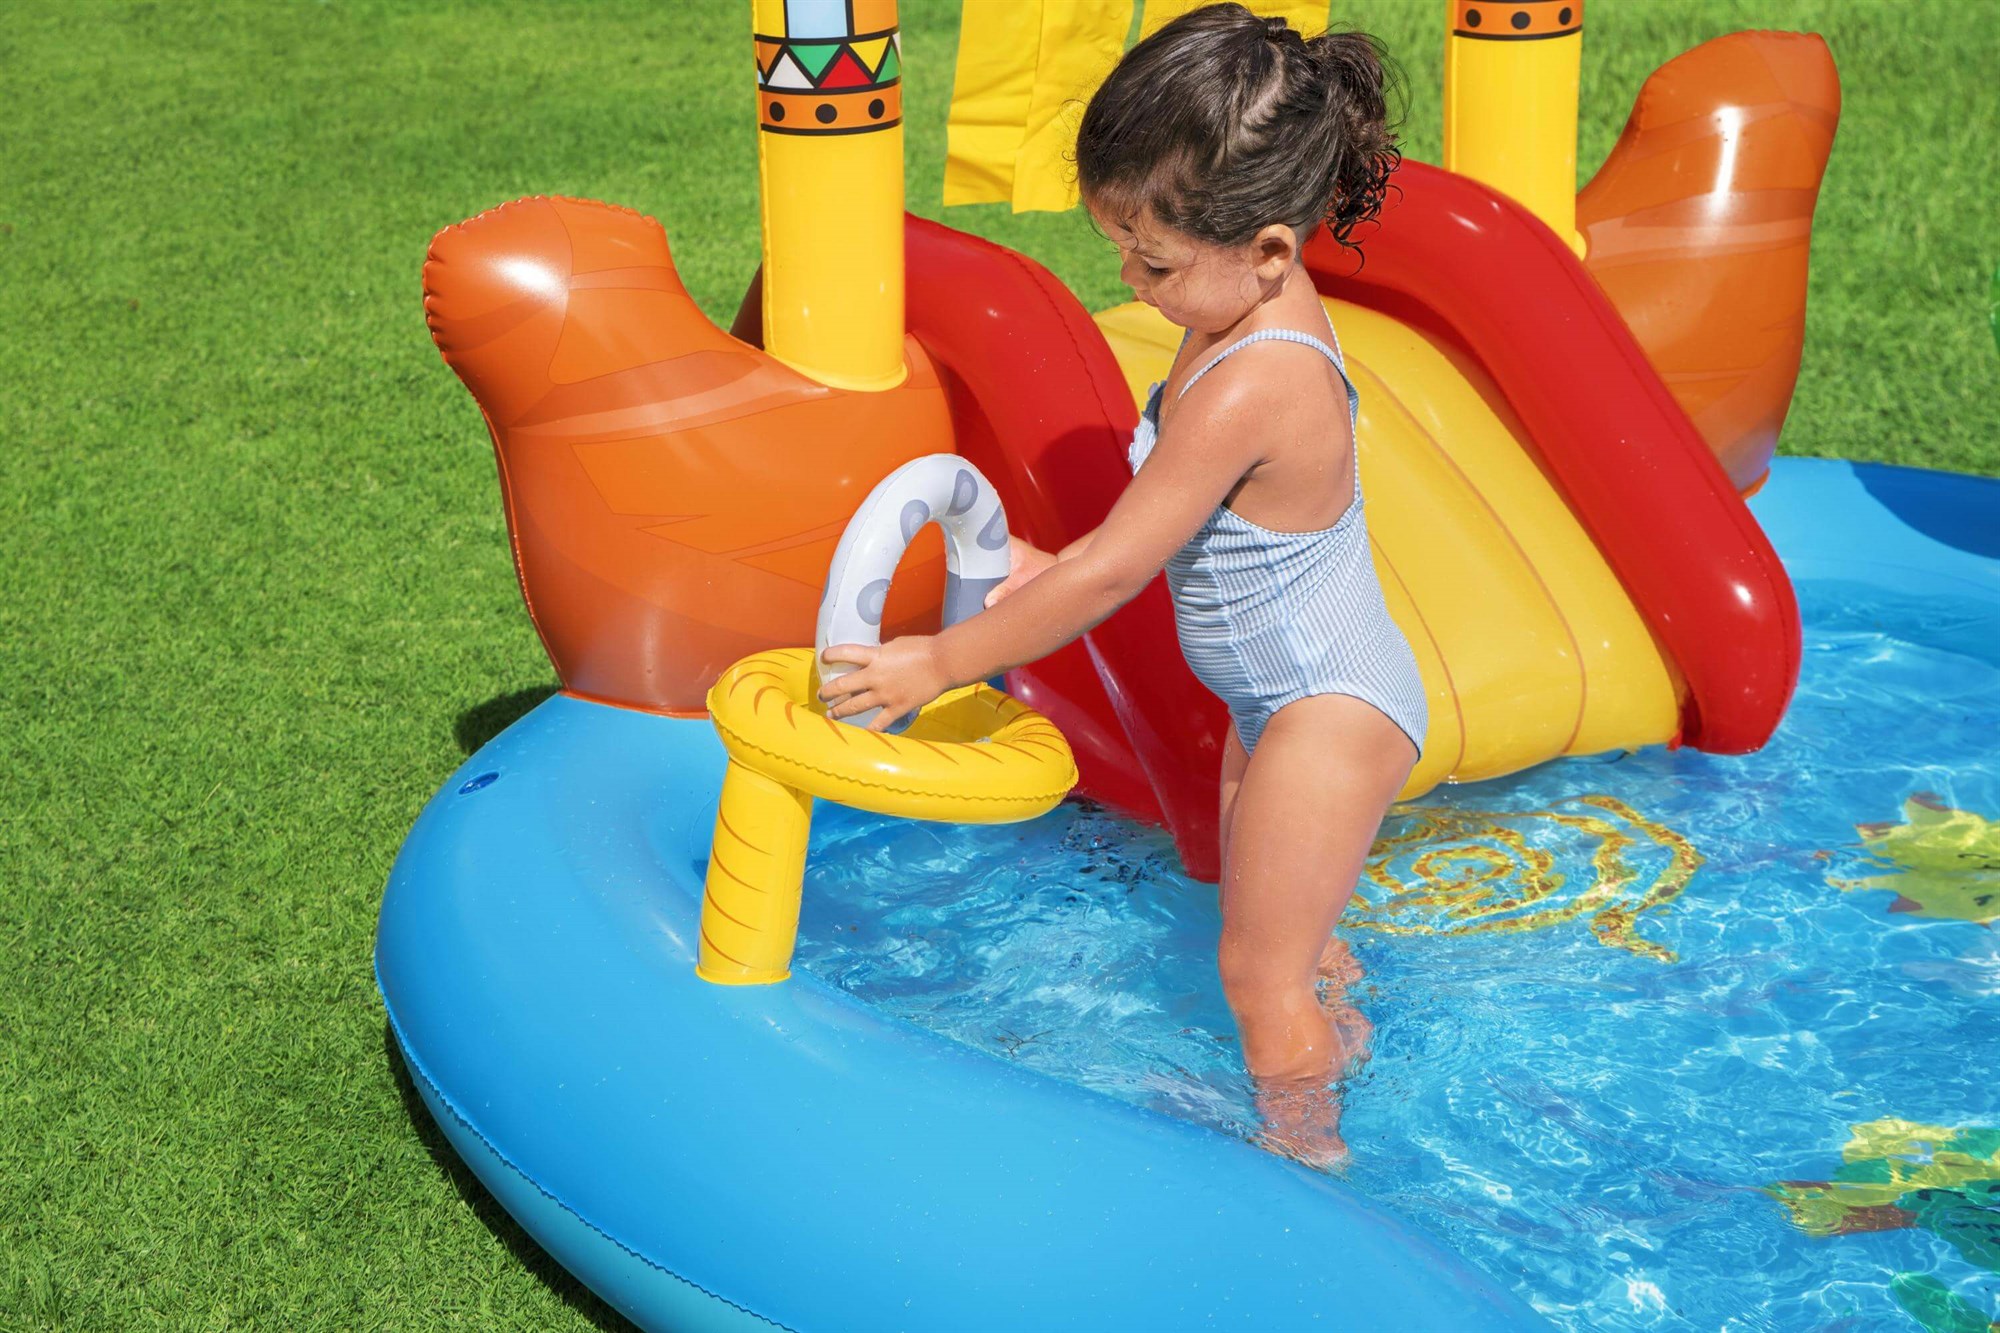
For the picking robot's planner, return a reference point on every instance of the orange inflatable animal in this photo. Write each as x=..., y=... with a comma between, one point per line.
x=674, y=495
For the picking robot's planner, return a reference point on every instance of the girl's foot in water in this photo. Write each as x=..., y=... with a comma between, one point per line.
x=1302, y=1122
x=1352, y=1031
x=1339, y=970
x=1302, y=1118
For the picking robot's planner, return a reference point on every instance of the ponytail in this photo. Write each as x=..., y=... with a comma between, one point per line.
x=1355, y=73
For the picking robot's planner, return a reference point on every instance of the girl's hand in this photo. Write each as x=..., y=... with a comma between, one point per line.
x=899, y=678
x=1026, y=561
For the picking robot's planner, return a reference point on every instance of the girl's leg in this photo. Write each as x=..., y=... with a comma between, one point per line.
x=1338, y=967
x=1305, y=814
x=1234, y=758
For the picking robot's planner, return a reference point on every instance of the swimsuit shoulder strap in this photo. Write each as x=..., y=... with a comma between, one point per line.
x=1278, y=335
x=1306, y=339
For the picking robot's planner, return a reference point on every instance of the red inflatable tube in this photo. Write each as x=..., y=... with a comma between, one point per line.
x=1463, y=262
x=1039, y=404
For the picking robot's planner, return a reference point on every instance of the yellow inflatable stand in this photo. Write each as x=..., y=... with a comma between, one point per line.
x=972, y=756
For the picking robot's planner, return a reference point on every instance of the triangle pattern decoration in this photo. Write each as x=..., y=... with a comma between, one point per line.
x=766, y=52
x=815, y=56
x=785, y=73
x=870, y=52
x=845, y=72
x=891, y=67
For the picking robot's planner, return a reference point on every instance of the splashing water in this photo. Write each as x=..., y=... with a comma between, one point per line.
x=1630, y=1012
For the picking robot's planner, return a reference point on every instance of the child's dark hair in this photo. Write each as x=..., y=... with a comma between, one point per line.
x=1222, y=123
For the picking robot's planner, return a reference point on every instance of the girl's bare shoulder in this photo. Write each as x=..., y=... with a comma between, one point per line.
x=1271, y=388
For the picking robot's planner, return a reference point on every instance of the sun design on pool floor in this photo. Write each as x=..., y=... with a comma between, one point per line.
x=1897, y=1174
x=1947, y=861
x=1446, y=871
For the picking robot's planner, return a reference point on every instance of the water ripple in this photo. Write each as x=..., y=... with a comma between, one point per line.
x=1592, y=1107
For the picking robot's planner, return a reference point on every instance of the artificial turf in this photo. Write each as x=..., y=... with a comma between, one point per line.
x=256, y=602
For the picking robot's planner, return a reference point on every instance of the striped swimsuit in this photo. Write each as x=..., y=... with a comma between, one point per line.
x=1266, y=618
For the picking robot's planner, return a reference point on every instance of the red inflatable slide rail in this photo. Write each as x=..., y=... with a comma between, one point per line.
x=1039, y=405
x=1472, y=266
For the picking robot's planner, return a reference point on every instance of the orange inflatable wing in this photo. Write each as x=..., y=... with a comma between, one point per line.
x=673, y=495
x=1699, y=226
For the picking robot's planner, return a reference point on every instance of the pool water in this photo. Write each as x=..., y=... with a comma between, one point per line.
x=1662, y=1040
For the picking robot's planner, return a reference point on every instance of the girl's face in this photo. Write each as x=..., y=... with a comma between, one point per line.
x=1196, y=284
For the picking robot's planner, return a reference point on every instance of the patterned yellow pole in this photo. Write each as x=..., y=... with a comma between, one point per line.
x=1511, y=69
x=830, y=164
x=756, y=878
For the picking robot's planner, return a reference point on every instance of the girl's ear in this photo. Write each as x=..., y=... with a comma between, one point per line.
x=1272, y=251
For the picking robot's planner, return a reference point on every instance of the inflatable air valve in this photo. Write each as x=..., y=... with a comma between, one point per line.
x=972, y=756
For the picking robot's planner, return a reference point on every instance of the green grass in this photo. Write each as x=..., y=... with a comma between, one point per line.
x=255, y=600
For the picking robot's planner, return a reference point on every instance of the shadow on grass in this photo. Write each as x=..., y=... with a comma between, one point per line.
x=482, y=722
x=487, y=1208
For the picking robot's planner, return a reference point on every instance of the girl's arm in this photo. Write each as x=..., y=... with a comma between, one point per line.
x=1217, y=437
x=1030, y=562
x=1076, y=547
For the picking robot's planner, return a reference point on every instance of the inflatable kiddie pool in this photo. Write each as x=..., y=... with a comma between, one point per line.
x=755, y=1156
x=752, y=1155
x=709, y=1156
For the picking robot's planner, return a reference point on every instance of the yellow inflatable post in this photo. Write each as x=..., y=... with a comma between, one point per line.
x=973, y=756
x=1510, y=96
x=830, y=164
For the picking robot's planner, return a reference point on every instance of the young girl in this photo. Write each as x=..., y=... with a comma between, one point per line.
x=1211, y=153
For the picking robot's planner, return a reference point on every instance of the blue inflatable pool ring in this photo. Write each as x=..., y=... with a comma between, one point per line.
x=752, y=1156
x=756, y=1156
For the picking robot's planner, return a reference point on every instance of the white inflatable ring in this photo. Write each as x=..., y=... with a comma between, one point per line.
x=937, y=488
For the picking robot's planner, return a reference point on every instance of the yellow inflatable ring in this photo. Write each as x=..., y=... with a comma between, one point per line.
x=972, y=756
